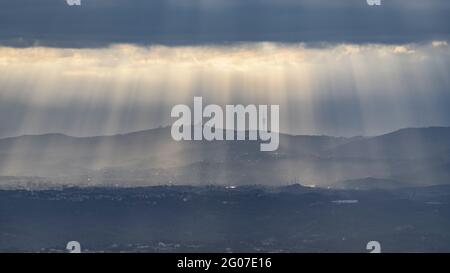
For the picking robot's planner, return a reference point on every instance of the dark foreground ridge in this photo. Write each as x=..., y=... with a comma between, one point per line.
x=225, y=219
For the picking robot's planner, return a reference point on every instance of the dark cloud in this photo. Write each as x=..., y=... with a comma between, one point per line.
x=101, y=22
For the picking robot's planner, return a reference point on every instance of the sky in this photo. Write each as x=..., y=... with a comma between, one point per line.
x=113, y=66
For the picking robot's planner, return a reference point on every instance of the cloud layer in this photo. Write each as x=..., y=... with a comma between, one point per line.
x=192, y=22
x=338, y=90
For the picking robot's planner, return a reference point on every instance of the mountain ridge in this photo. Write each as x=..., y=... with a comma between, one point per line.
x=168, y=127
x=152, y=157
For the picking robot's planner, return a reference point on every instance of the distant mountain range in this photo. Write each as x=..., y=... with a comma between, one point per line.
x=404, y=158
